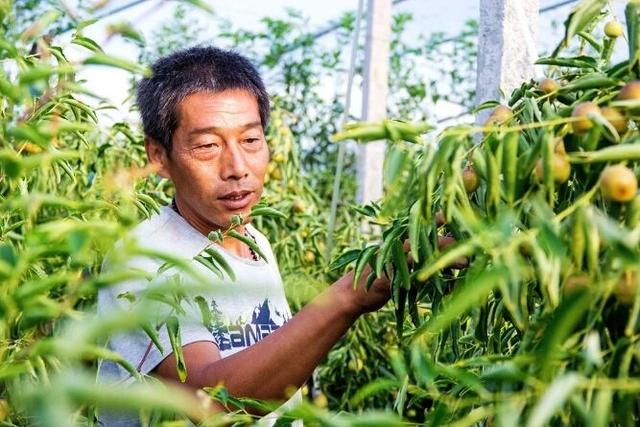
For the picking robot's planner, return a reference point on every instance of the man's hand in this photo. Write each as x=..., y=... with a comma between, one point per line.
x=358, y=300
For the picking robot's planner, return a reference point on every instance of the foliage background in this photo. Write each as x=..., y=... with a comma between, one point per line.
x=72, y=185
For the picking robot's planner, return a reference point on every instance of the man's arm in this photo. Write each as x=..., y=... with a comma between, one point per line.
x=288, y=356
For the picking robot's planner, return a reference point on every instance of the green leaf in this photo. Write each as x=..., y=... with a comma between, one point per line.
x=401, y=269
x=584, y=62
x=28, y=133
x=218, y=258
x=415, y=227
x=112, y=61
x=472, y=293
x=377, y=386
x=580, y=18
x=364, y=258
x=590, y=81
x=10, y=163
x=553, y=399
x=632, y=14
x=205, y=312
x=152, y=333
x=600, y=415
x=42, y=72
x=345, y=259
x=9, y=90
x=173, y=329
x=86, y=42
x=200, y=4
x=563, y=322
x=127, y=31
x=209, y=264
x=267, y=212
x=247, y=241
x=38, y=27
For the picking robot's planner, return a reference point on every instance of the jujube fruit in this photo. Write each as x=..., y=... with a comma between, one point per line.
x=617, y=120
x=613, y=29
x=560, y=168
x=470, y=179
x=630, y=91
x=582, y=111
x=548, y=86
x=618, y=183
x=625, y=290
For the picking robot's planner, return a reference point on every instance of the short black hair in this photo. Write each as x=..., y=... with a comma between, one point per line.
x=188, y=71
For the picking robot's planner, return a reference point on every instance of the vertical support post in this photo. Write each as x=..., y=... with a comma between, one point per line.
x=507, y=47
x=374, y=100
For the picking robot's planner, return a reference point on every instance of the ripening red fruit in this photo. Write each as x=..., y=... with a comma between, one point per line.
x=470, y=179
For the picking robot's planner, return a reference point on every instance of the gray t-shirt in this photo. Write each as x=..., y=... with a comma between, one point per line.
x=243, y=311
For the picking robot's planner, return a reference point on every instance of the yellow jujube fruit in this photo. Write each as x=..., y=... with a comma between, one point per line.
x=613, y=29
x=581, y=111
x=618, y=183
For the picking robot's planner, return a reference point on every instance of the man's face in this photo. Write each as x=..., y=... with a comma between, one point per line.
x=219, y=157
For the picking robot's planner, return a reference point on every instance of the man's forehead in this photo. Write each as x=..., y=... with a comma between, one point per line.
x=229, y=97
x=220, y=109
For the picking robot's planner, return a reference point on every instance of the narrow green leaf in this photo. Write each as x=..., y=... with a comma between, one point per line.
x=365, y=257
x=217, y=257
x=173, y=329
x=267, y=212
x=553, y=399
x=400, y=264
x=345, y=259
x=247, y=241
x=111, y=61
x=210, y=265
x=153, y=335
x=472, y=293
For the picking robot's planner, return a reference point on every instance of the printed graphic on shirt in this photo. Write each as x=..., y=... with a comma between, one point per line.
x=264, y=319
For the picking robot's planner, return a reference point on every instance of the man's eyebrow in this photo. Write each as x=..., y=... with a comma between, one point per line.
x=216, y=129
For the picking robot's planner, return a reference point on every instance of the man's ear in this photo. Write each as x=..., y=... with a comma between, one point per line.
x=158, y=156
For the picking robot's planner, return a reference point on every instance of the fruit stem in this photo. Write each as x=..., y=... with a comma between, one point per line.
x=582, y=200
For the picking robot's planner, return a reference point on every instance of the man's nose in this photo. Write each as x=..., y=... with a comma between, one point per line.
x=234, y=163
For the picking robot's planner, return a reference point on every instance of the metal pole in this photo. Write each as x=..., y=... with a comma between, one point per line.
x=345, y=117
x=374, y=103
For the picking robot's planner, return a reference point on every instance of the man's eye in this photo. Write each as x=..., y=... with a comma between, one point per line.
x=206, y=146
x=251, y=140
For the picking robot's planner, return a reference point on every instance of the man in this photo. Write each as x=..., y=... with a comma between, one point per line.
x=204, y=112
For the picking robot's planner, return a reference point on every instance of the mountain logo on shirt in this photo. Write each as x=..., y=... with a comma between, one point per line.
x=264, y=319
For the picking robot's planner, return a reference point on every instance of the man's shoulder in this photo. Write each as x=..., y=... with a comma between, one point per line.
x=166, y=231
x=151, y=225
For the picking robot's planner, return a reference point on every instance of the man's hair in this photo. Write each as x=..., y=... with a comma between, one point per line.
x=188, y=71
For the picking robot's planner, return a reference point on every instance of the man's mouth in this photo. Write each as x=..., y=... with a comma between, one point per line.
x=236, y=200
